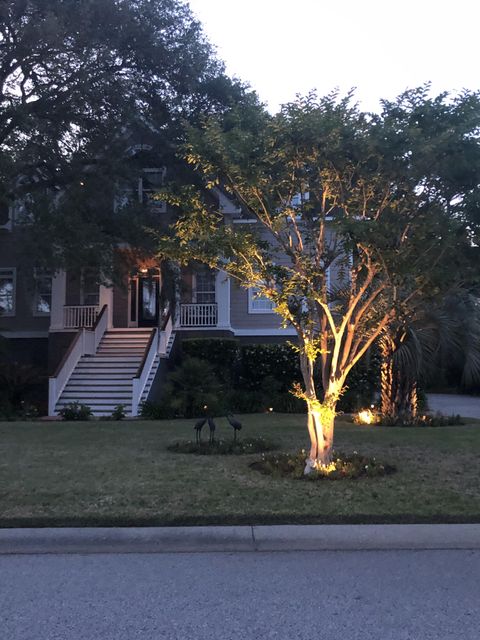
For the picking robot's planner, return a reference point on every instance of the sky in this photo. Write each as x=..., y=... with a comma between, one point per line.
x=283, y=47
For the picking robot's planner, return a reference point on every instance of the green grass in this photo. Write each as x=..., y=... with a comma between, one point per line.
x=120, y=473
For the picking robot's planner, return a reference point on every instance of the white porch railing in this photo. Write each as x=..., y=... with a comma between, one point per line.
x=78, y=316
x=198, y=315
x=140, y=380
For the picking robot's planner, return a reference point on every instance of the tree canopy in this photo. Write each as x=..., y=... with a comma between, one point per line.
x=354, y=227
x=82, y=83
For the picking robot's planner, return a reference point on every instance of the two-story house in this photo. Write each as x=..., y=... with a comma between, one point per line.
x=106, y=345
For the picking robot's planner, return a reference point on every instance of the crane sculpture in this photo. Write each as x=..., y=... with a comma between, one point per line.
x=212, y=426
x=235, y=424
x=198, y=428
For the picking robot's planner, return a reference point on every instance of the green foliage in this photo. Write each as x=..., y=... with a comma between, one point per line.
x=262, y=363
x=17, y=381
x=193, y=389
x=246, y=401
x=83, y=82
x=425, y=420
x=119, y=412
x=373, y=197
x=156, y=411
x=23, y=411
x=255, y=378
x=362, y=383
x=221, y=353
x=347, y=467
x=244, y=446
x=75, y=411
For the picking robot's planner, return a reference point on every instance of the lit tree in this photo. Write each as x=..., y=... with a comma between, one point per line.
x=344, y=243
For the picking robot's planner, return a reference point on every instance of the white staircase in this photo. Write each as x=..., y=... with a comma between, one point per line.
x=156, y=362
x=104, y=380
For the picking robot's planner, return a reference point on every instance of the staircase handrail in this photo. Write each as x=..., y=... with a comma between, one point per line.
x=165, y=334
x=85, y=342
x=57, y=382
x=140, y=379
x=100, y=326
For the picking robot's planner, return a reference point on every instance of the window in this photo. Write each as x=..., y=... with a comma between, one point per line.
x=297, y=199
x=89, y=292
x=148, y=185
x=7, y=292
x=42, y=299
x=22, y=210
x=5, y=216
x=204, y=286
x=258, y=303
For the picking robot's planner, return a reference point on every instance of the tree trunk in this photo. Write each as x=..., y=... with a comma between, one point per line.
x=321, y=417
x=398, y=389
x=321, y=424
x=386, y=379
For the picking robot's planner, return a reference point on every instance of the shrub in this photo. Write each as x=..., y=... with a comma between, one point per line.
x=352, y=466
x=76, y=411
x=224, y=447
x=156, y=411
x=259, y=362
x=192, y=389
x=242, y=401
x=17, y=382
x=437, y=420
x=119, y=412
x=221, y=353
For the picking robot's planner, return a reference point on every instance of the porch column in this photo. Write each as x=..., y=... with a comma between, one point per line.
x=177, y=285
x=106, y=297
x=59, y=287
x=222, y=292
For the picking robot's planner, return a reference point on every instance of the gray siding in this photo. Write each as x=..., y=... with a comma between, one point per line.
x=12, y=256
x=240, y=318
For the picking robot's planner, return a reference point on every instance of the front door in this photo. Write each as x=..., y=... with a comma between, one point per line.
x=148, y=301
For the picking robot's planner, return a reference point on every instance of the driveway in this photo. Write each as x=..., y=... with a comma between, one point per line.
x=359, y=595
x=452, y=404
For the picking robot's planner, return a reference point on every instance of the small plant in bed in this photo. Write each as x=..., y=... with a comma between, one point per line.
x=291, y=465
x=224, y=447
x=425, y=420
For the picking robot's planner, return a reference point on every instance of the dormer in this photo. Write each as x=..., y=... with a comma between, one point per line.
x=149, y=183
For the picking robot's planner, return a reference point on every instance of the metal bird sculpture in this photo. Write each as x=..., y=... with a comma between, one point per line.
x=212, y=426
x=235, y=424
x=198, y=428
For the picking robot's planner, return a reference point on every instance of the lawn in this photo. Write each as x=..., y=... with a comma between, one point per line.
x=120, y=473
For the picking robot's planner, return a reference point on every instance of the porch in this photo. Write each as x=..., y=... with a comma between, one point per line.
x=203, y=299
x=203, y=302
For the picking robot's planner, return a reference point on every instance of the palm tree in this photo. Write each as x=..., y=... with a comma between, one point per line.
x=417, y=348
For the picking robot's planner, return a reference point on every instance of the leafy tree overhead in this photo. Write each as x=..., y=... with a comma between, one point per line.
x=346, y=239
x=82, y=83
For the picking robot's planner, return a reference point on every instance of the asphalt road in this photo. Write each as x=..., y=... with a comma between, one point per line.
x=374, y=595
x=450, y=403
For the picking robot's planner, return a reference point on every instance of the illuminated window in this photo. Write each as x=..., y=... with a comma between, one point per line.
x=258, y=303
x=7, y=292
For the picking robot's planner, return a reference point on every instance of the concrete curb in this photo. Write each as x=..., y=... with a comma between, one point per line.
x=239, y=538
